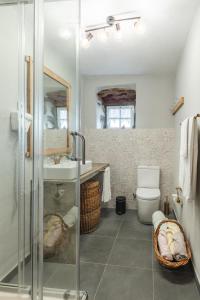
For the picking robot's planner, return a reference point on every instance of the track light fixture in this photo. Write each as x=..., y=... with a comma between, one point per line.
x=111, y=21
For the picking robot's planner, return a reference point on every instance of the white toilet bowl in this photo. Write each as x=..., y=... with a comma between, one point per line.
x=148, y=192
x=148, y=201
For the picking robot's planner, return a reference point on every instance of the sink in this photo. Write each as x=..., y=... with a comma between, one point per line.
x=65, y=170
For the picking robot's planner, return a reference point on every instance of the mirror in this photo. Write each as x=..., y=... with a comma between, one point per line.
x=57, y=98
x=57, y=93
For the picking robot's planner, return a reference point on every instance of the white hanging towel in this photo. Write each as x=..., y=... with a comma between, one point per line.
x=189, y=163
x=183, y=151
x=106, y=194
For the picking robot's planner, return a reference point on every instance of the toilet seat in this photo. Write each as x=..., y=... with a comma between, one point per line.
x=148, y=193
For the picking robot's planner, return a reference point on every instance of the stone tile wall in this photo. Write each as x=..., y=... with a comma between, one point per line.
x=125, y=149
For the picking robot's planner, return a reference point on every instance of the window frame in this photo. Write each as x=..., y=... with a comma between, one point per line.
x=120, y=118
x=59, y=120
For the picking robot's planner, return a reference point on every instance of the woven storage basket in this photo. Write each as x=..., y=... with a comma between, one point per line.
x=90, y=206
x=89, y=221
x=166, y=263
x=62, y=239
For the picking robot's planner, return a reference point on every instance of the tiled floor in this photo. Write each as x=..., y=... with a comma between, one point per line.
x=117, y=262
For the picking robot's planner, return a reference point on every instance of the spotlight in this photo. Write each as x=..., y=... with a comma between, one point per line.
x=118, y=33
x=117, y=26
x=139, y=27
x=103, y=35
x=89, y=36
x=86, y=40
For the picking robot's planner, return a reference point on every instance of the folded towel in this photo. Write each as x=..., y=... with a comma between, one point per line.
x=106, y=194
x=179, y=249
x=157, y=217
x=175, y=242
x=163, y=245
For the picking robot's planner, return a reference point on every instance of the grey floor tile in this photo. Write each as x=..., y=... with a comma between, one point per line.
x=108, y=227
x=64, y=277
x=51, y=268
x=130, y=215
x=132, y=253
x=27, y=277
x=125, y=283
x=90, y=275
x=109, y=213
x=134, y=229
x=95, y=248
x=175, y=285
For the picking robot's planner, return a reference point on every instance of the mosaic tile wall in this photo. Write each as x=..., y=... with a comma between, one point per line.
x=125, y=149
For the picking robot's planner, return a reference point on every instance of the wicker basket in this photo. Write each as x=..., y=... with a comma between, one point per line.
x=90, y=206
x=164, y=262
x=90, y=221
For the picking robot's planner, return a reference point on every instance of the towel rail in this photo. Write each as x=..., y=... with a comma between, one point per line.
x=195, y=117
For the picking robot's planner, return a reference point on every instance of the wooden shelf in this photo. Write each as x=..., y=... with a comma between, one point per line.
x=178, y=105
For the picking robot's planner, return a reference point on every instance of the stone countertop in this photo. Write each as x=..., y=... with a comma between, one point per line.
x=96, y=169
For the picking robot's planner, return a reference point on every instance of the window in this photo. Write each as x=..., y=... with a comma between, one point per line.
x=120, y=116
x=62, y=117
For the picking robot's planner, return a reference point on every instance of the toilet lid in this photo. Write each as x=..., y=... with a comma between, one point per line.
x=148, y=194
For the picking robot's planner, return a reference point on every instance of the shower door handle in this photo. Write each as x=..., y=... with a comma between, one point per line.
x=73, y=156
x=74, y=135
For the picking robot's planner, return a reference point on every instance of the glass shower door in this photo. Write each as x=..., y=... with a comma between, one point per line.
x=16, y=167
x=40, y=167
x=60, y=159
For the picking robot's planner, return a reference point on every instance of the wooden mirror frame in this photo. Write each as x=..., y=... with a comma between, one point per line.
x=54, y=76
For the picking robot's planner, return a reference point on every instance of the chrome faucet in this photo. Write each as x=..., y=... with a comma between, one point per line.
x=74, y=134
x=56, y=158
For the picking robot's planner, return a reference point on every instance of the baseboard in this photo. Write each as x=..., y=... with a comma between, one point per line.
x=14, y=271
x=197, y=277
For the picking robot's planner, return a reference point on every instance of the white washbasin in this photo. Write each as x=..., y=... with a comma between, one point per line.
x=65, y=170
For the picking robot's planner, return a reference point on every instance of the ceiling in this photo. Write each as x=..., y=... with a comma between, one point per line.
x=157, y=51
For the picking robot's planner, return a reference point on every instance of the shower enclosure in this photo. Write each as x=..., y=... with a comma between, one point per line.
x=40, y=168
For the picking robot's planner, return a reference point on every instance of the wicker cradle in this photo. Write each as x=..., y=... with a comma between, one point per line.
x=166, y=263
x=90, y=206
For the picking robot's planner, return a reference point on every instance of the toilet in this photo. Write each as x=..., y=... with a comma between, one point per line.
x=148, y=192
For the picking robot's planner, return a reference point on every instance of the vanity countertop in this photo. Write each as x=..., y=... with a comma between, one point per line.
x=96, y=168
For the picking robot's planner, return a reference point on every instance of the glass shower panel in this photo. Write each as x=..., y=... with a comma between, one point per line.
x=9, y=140
x=61, y=169
x=15, y=184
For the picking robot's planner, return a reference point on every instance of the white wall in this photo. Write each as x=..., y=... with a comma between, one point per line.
x=188, y=85
x=154, y=99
